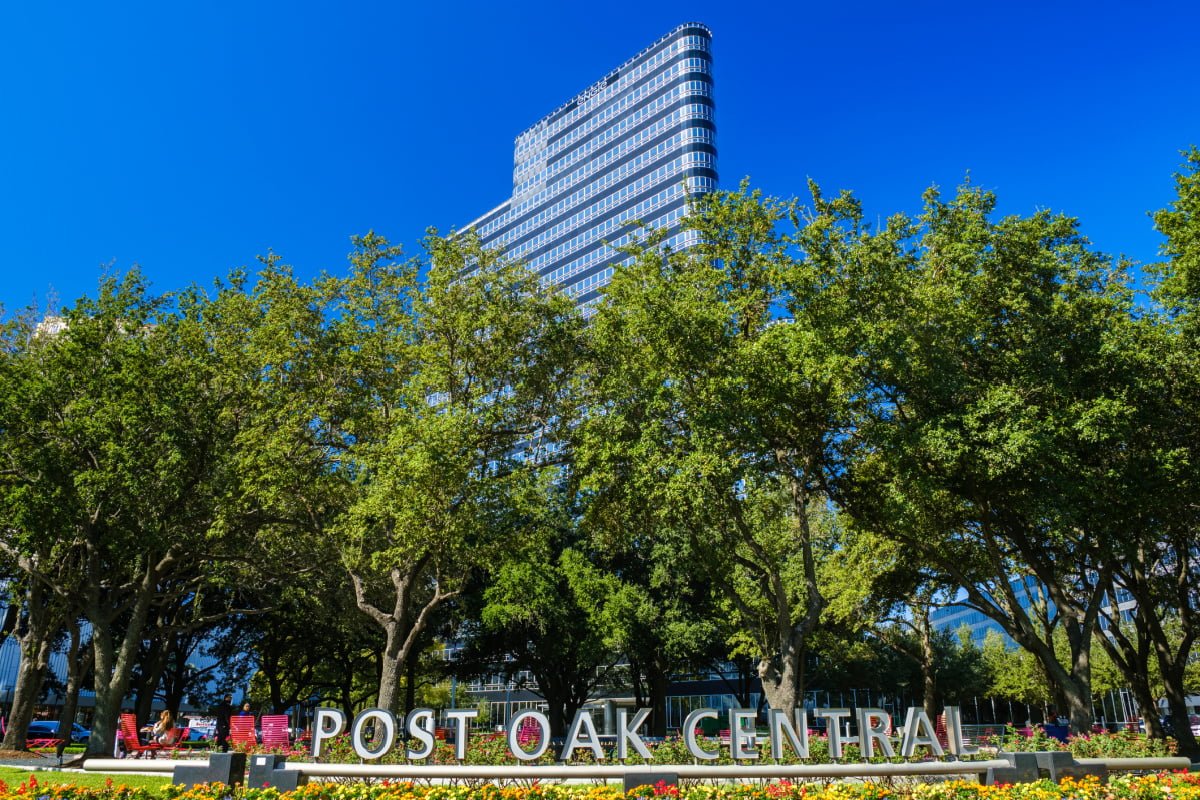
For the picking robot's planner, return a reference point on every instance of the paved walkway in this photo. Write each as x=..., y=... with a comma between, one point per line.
x=38, y=761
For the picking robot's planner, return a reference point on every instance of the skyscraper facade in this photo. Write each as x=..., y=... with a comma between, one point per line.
x=628, y=149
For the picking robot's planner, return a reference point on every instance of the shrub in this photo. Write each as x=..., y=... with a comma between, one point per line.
x=1123, y=744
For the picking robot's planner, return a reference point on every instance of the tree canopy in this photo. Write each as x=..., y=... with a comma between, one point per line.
x=780, y=449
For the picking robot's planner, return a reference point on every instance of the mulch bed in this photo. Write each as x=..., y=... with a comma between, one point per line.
x=18, y=754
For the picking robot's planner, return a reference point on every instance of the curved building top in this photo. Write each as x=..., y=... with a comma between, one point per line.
x=685, y=28
x=624, y=155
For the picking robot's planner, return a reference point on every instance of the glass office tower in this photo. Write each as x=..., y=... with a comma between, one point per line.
x=629, y=147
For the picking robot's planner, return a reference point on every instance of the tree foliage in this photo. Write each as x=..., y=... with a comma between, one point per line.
x=781, y=446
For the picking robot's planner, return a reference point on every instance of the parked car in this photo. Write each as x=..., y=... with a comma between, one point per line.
x=48, y=729
x=199, y=728
x=1168, y=724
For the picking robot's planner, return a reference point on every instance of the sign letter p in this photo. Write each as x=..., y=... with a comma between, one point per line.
x=328, y=723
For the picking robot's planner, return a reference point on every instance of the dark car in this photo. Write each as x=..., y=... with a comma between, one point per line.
x=48, y=729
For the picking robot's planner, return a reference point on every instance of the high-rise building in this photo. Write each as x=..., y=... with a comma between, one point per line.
x=1028, y=592
x=627, y=149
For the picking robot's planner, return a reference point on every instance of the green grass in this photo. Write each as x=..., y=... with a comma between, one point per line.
x=13, y=776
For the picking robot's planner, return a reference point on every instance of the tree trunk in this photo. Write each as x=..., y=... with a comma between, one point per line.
x=1145, y=577
x=782, y=672
x=175, y=676
x=34, y=645
x=173, y=697
x=275, y=687
x=1177, y=707
x=1079, y=620
x=556, y=711
x=392, y=669
x=638, y=676
x=153, y=665
x=1075, y=685
x=30, y=675
x=347, y=692
x=781, y=675
x=1132, y=659
x=1145, y=700
x=402, y=629
x=114, y=666
x=659, y=684
x=410, y=686
x=928, y=668
x=555, y=690
x=79, y=664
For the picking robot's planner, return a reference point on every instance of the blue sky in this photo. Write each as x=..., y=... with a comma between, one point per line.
x=188, y=137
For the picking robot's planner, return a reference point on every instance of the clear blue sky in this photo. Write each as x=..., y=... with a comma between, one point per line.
x=188, y=137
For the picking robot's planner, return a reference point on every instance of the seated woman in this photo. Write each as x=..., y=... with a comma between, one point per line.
x=165, y=732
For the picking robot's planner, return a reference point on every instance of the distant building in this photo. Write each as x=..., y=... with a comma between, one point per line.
x=954, y=617
x=629, y=148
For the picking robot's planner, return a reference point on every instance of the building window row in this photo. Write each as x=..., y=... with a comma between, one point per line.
x=594, y=234
x=544, y=131
x=686, y=89
x=690, y=135
x=601, y=206
x=585, y=171
x=620, y=122
x=592, y=281
x=702, y=111
x=596, y=120
x=679, y=241
x=631, y=123
x=696, y=185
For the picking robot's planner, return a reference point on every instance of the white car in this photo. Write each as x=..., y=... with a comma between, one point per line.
x=200, y=727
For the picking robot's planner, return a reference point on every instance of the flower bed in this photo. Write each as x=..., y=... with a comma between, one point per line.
x=1125, y=744
x=1166, y=786
x=491, y=749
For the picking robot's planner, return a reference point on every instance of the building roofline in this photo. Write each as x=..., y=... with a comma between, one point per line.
x=582, y=95
x=475, y=221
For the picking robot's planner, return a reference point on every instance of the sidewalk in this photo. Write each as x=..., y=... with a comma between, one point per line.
x=35, y=760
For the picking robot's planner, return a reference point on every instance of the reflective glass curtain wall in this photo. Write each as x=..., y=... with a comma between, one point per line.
x=629, y=147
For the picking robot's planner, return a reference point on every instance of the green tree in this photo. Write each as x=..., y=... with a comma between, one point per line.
x=996, y=385
x=909, y=630
x=39, y=565
x=652, y=602
x=116, y=455
x=443, y=388
x=649, y=605
x=537, y=616
x=1014, y=673
x=726, y=420
x=1157, y=565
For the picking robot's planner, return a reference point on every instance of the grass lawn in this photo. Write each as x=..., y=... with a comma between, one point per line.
x=13, y=776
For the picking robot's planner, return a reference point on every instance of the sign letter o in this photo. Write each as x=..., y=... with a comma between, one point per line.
x=514, y=734
x=385, y=732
